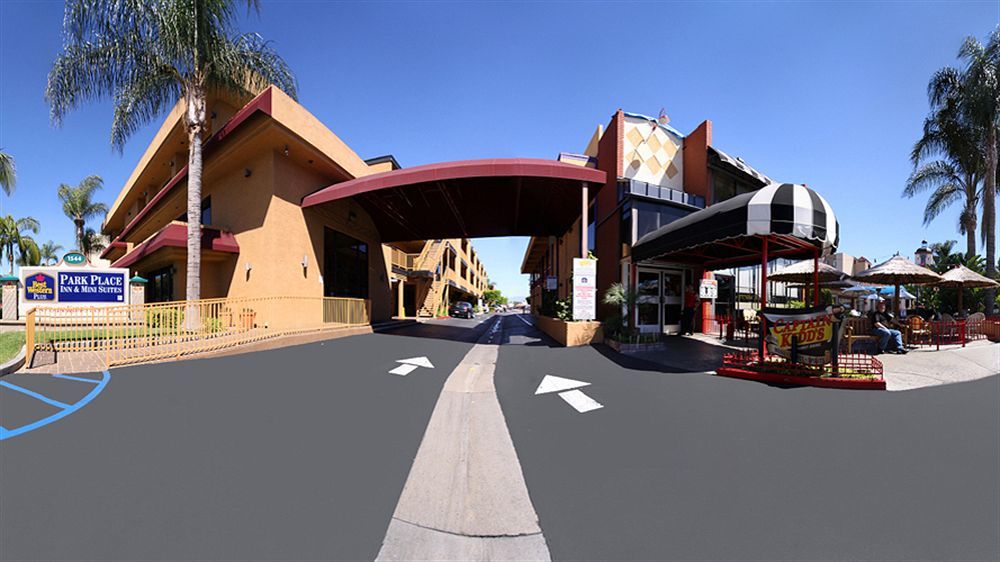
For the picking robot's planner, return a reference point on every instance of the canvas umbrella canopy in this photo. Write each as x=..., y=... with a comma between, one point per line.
x=898, y=271
x=903, y=293
x=808, y=272
x=964, y=278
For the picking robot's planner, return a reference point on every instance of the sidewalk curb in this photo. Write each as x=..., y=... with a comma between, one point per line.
x=14, y=364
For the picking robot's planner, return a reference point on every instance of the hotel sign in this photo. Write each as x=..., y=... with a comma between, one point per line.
x=75, y=284
x=90, y=286
x=39, y=287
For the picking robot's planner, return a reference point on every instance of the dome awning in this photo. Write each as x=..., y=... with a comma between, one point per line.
x=795, y=220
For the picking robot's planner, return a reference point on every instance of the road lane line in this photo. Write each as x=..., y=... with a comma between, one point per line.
x=35, y=395
x=465, y=497
x=521, y=318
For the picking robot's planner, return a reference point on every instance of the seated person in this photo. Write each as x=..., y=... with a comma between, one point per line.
x=881, y=327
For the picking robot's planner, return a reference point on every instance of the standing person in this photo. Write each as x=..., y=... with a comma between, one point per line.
x=881, y=327
x=690, y=301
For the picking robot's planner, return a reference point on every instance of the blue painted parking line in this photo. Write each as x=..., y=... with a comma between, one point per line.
x=66, y=410
x=35, y=395
x=72, y=378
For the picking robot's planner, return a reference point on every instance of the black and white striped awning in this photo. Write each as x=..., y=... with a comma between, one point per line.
x=796, y=220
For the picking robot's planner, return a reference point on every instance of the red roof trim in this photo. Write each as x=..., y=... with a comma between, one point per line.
x=112, y=246
x=444, y=171
x=260, y=103
x=175, y=236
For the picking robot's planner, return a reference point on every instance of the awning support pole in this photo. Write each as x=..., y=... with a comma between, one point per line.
x=584, y=220
x=763, y=296
x=816, y=277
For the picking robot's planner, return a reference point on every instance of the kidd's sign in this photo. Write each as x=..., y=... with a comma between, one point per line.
x=805, y=335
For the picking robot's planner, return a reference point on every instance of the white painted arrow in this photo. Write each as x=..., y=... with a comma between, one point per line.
x=418, y=361
x=410, y=365
x=568, y=390
x=552, y=383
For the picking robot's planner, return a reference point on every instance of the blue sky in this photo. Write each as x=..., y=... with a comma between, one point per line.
x=828, y=94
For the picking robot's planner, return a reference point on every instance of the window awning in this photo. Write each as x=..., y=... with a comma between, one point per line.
x=796, y=220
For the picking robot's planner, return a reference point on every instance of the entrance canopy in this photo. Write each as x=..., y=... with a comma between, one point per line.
x=783, y=220
x=470, y=198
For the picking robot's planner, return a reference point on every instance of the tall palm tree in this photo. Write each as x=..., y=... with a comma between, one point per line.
x=49, y=252
x=92, y=242
x=955, y=176
x=79, y=205
x=13, y=233
x=974, y=91
x=8, y=173
x=147, y=54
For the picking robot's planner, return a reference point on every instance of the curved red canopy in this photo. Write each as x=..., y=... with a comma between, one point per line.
x=469, y=198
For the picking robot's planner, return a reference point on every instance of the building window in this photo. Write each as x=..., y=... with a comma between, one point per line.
x=651, y=216
x=345, y=266
x=206, y=212
x=161, y=285
x=725, y=186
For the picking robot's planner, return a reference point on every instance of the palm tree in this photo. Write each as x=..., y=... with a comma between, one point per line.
x=8, y=173
x=974, y=92
x=148, y=54
x=13, y=233
x=92, y=242
x=49, y=252
x=79, y=205
x=953, y=178
x=28, y=252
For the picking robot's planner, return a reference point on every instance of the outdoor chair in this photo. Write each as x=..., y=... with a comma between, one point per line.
x=859, y=329
x=918, y=330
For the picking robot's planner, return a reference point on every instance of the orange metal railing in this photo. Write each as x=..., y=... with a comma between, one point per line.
x=147, y=332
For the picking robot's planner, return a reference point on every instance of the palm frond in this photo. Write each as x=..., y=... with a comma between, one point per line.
x=942, y=198
x=8, y=173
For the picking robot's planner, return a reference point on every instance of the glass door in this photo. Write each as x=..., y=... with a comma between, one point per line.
x=647, y=302
x=673, y=294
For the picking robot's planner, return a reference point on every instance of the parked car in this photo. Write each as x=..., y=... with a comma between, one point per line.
x=461, y=309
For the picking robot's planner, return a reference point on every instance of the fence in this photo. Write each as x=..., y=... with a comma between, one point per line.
x=146, y=332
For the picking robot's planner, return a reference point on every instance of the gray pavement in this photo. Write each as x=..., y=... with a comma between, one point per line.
x=684, y=466
x=291, y=454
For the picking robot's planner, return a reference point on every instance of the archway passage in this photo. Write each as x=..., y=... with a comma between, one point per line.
x=470, y=198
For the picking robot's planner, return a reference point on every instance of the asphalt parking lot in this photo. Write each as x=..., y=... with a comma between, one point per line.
x=296, y=453
x=684, y=466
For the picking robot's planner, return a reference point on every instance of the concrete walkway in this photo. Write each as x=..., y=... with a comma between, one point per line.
x=465, y=497
x=928, y=366
x=922, y=367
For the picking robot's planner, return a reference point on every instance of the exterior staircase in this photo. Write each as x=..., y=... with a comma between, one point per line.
x=429, y=260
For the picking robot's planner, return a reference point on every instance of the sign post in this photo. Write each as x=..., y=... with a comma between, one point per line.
x=584, y=288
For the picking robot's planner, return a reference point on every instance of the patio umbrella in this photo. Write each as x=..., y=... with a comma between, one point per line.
x=804, y=273
x=903, y=293
x=856, y=291
x=962, y=277
x=897, y=271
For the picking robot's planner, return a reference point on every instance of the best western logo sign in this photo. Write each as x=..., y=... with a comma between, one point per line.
x=39, y=287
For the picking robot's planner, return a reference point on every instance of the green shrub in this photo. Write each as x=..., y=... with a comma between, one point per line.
x=164, y=318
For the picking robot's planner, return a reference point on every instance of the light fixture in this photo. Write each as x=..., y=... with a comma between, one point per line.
x=305, y=261
x=286, y=150
x=249, y=266
x=351, y=216
x=247, y=172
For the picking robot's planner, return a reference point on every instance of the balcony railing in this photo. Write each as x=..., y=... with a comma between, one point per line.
x=652, y=191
